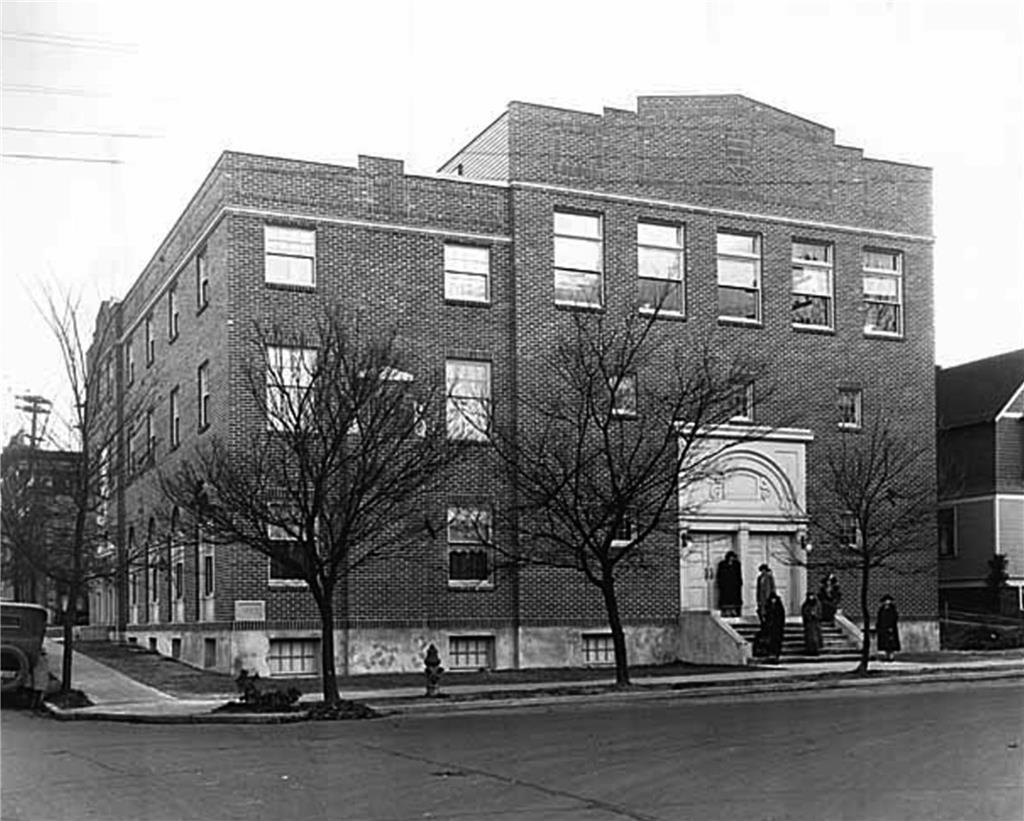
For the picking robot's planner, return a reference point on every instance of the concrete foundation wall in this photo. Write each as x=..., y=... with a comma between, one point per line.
x=919, y=636
x=703, y=638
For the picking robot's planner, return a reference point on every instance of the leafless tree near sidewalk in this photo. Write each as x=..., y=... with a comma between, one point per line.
x=622, y=416
x=335, y=475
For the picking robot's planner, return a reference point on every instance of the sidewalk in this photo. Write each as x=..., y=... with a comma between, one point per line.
x=118, y=697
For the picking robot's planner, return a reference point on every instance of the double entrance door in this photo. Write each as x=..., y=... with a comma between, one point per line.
x=706, y=549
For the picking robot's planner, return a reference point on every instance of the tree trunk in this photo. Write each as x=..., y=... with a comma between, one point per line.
x=611, y=604
x=329, y=676
x=65, y=675
x=865, y=648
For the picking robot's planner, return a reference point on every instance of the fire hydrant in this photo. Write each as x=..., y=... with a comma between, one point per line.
x=432, y=669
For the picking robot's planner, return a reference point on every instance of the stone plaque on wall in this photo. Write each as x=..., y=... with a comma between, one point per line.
x=251, y=610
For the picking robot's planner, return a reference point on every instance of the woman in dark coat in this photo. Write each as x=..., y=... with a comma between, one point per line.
x=729, y=579
x=774, y=626
x=888, y=625
x=810, y=613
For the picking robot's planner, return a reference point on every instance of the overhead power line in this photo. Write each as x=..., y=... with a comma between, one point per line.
x=26, y=88
x=76, y=132
x=69, y=41
x=61, y=158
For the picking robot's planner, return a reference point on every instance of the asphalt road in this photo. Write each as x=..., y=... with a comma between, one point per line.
x=939, y=751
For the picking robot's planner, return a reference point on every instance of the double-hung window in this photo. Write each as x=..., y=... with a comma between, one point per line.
x=579, y=259
x=739, y=276
x=286, y=560
x=947, y=532
x=813, y=299
x=203, y=391
x=290, y=256
x=289, y=377
x=623, y=395
x=660, y=251
x=743, y=403
x=172, y=312
x=129, y=360
x=468, y=405
x=467, y=273
x=150, y=455
x=883, y=292
x=150, y=341
x=202, y=281
x=175, y=418
x=469, y=533
x=851, y=408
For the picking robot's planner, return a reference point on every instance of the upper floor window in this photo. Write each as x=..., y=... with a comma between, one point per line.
x=947, y=532
x=202, y=280
x=623, y=391
x=172, y=312
x=739, y=276
x=743, y=403
x=129, y=360
x=579, y=259
x=849, y=530
x=129, y=447
x=175, y=418
x=108, y=376
x=150, y=438
x=150, y=341
x=851, y=408
x=883, y=292
x=290, y=255
x=469, y=533
x=467, y=271
x=289, y=376
x=468, y=406
x=660, y=251
x=203, y=394
x=812, y=284
x=287, y=558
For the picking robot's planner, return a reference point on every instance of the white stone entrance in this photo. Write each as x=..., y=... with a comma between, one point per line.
x=752, y=501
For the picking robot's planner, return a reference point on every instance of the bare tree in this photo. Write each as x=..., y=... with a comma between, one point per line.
x=871, y=505
x=620, y=417
x=334, y=478
x=62, y=535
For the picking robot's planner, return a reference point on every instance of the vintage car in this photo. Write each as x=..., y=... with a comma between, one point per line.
x=22, y=627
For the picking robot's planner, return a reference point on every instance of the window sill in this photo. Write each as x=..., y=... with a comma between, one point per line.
x=820, y=330
x=468, y=303
x=287, y=584
x=671, y=316
x=883, y=335
x=584, y=307
x=470, y=586
x=739, y=322
x=850, y=428
x=455, y=440
x=290, y=286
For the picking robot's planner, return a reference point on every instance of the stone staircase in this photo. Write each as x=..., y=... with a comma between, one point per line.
x=837, y=646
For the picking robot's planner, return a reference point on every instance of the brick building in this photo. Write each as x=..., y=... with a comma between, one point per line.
x=752, y=221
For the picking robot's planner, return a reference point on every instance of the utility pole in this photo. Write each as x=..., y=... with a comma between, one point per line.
x=36, y=406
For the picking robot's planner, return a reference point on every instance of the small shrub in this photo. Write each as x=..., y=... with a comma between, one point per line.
x=265, y=698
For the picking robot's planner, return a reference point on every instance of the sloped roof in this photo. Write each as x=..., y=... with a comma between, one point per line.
x=976, y=391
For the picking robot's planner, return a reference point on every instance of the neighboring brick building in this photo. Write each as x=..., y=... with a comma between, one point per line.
x=980, y=409
x=754, y=221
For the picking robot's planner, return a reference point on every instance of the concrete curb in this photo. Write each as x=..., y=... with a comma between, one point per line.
x=539, y=699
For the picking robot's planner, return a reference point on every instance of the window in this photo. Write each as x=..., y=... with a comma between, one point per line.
x=849, y=530
x=743, y=403
x=133, y=589
x=178, y=580
x=598, y=648
x=209, y=653
x=850, y=408
x=150, y=438
x=623, y=391
x=471, y=652
x=289, y=376
x=293, y=657
x=203, y=385
x=154, y=586
x=467, y=272
x=202, y=281
x=947, y=532
x=883, y=292
x=172, y=312
x=290, y=255
x=150, y=341
x=129, y=447
x=175, y=418
x=812, y=284
x=660, y=251
x=625, y=532
x=108, y=376
x=129, y=360
x=579, y=259
x=739, y=276
x=208, y=586
x=175, y=648
x=288, y=559
x=468, y=399
x=469, y=532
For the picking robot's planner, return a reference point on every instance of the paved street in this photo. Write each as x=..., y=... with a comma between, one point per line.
x=939, y=751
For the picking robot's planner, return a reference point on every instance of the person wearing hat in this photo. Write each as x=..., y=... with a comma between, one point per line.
x=888, y=626
x=765, y=590
x=729, y=579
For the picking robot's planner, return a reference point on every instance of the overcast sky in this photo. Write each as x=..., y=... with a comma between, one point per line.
x=165, y=87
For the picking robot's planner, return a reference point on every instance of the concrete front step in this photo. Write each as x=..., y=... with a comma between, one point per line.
x=836, y=646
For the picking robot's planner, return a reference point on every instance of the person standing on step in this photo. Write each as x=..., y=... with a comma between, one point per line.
x=888, y=626
x=765, y=590
x=774, y=626
x=729, y=579
x=810, y=614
